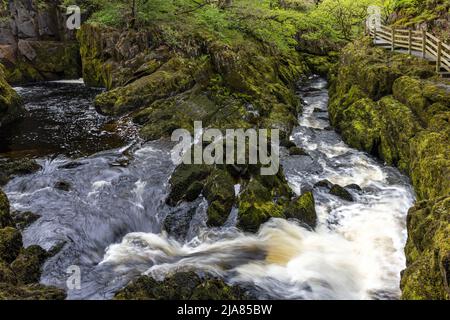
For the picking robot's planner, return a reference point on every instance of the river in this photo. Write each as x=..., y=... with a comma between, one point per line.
x=111, y=218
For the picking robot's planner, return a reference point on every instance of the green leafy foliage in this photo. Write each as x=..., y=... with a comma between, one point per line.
x=275, y=23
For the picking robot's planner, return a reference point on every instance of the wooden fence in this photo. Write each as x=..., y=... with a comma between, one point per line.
x=419, y=43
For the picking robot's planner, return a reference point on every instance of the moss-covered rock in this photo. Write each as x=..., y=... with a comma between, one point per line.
x=393, y=107
x=428, y=251
x=13, y=167
x=27, y=266
x=10, y=244
x=40, y=60
x=321, y=64
x=5, y=216
x=185, y=182
x=303, y=209
x=263, y=197
x=173, y=77
x=30, y=292
x=6, y=274
x=297, y=151
x=180, y=286
x=10, y=102
x=430, y=163
x=23, y=220
x=219, y=191
x=340, y=192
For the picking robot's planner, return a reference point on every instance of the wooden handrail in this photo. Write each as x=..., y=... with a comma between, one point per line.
x=420, y=42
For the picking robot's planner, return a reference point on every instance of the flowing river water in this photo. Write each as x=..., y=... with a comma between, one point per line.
x=111, y=218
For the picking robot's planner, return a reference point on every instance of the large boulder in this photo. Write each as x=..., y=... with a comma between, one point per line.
x=27, y=265
x=263, y=198
x=220, y=193
x=45, y=60
x=10, y=244
x=303, y=209
x=341, y=192
x=187, y=183
x=180, y=286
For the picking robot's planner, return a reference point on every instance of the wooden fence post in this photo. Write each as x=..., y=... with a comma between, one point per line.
x=439, y=56
x=409, y=41
x=393, y=38
x=424, y=44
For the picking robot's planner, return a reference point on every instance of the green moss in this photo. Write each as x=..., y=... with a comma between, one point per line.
x=398, y=127
x=219, y=191
x=13, y=167
x=428, y=251
x=303, y=209
x=23, y=72
x=23, y=220
x=180, y=286
x=10, y=244
x=61, y=58
x=430, y=165
x=419, y=95
x=5, y=216
x=409, y=129
x=320, y=64
x=341, y=192
x=263, y=198
x=10, y=102
x=30, y=292
x=360, y=125
x=173, y=77
x=296, y=151
x=27, y=265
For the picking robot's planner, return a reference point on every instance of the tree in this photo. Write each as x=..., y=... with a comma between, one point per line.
x=135, y=6
x=347, y=16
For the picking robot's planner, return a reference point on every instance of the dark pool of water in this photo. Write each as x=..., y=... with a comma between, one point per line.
x=60, y=119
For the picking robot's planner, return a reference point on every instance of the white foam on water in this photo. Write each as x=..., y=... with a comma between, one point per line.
x=69, y=81
x=356, y=251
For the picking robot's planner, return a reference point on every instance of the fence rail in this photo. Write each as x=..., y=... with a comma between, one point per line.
x=419, y=43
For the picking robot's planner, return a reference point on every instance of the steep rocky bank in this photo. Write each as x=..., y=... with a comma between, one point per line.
x=35, y=44
x=19, y=267
x=393, y=106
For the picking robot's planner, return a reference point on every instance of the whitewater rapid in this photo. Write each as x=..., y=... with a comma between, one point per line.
x=112, y=221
